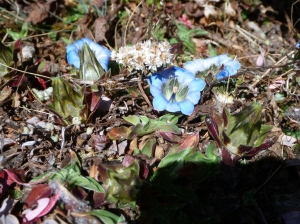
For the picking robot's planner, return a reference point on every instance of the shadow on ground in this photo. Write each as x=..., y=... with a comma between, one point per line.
x=265, y=191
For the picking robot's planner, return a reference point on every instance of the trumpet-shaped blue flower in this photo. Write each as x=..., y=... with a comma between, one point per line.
x=175, y=89
x=230, y=67
x=101, y=53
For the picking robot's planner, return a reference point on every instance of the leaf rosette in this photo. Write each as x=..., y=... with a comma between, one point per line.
x=239, y=135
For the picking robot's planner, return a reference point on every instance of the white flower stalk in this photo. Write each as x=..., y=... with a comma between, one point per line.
x=150, y=55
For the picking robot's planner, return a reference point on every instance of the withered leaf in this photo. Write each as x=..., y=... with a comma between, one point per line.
x=100, y=28
x=38, y=12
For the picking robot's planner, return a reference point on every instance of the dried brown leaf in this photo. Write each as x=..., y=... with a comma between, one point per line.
x=159, y=152
x=38, y=13
x=100, y=28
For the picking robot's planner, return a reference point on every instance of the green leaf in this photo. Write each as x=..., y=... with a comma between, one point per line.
x=176, y=157
x=144, y=119
x=17, y=35
x=66, y=40
x=170, y=118
x=148, y=147
x=133, y=119
x=211, y=148
x=212, y=51
x=264, y=130
x=90, y=68
x=85, y=182
x=6, y=58
x=67, y=101
x=185, y=35
x=158, y=33
x=106, y=216
x=279, y=97
x=123, y=184
x=196, y=157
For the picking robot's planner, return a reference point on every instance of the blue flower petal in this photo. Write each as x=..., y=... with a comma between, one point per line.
x=194, y=97
x=102, y=54
x=155, y=90
x=79, y=43
x=187, y=82
x=231, y=68
x=155, y=80
x=186, y=107
x=173, y=107
x=183, y=75
x=222, y=74
x=73, y=59
x=200, y=65
x=195, y=66
x=160, y=102
x=222, y=59
x=196, y=85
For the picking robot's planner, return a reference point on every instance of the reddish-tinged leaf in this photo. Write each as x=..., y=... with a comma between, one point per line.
x=189, y=141
x=128, y=160
x=98, y=198
x=99, y=141
x=170, y=137
x=50, y=205
x=102, y=175
x=79, y=192
x=42, y=82
x=14, y=176
x=256, y=150
x=18, y=45
x=213, y=130
x=18, y=80
x=30, y=214
x=118, y=133
x=226, y=158
x=226, y=139
x=37, y=192
x=93, y=100
x=225, y=118
x=5, y=181
x=144, y=170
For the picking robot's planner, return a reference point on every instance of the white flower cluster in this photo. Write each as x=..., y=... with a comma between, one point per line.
x=150, y=55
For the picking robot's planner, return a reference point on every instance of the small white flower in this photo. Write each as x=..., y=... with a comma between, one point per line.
x=43, y=94
x=150, y=55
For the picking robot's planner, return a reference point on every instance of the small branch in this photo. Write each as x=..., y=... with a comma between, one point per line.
x=143, y=92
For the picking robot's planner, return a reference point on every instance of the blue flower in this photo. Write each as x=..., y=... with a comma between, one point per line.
x=200, y=65
x=102, y=54
x=230, y=69
x=175, y=89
